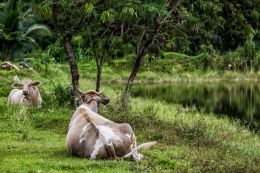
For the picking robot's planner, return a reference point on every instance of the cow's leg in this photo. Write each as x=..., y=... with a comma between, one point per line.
x=102, y=142
x=111, y=151
x=127, y=129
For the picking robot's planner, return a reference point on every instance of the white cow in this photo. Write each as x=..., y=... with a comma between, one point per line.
x=25, y=92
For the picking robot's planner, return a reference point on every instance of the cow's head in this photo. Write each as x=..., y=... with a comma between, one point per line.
x=27, y=86
x=92, y=98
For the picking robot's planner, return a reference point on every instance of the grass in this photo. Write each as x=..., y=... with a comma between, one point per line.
x=33, y=139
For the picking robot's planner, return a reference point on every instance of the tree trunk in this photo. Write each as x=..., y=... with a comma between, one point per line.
x=99, y=63
x=73, y=70
x=8, y=57
x=142, y=53
x=132, y=76
x=6, y=52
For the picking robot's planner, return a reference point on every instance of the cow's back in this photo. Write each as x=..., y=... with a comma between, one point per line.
x=81, y=137
x=15, y=97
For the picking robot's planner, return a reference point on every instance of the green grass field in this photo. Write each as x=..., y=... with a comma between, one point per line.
x=33, y=139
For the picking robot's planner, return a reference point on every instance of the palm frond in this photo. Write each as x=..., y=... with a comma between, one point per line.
x=32, y=40
x=10, y=14
x=26, y=18
x=38, y=29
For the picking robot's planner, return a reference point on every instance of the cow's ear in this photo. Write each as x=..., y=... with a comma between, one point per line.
x=84, y=98
x=17, y=85
x=36, y=83
x=104, y=101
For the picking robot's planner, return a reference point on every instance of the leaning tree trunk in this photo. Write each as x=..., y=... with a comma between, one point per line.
x=132, y=76
x=99, y=63
x=142, y=53
x=73, y=70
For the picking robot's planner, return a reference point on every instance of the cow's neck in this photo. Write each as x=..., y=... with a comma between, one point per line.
x=93, y=106
x=94, y=116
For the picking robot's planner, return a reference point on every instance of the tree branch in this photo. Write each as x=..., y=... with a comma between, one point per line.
x=55, y=19
x=140, y=41
x=175, y=6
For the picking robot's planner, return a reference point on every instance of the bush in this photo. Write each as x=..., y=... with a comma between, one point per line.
x=60, y=96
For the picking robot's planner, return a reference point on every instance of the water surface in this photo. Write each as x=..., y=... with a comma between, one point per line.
x=233, y=99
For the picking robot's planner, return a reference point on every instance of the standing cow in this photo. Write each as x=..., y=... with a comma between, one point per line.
x=92, y=136
x=25, y=92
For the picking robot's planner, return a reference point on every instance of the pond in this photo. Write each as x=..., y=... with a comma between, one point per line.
x=233, y=99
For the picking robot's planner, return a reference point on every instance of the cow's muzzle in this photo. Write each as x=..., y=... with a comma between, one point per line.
x=25, y=93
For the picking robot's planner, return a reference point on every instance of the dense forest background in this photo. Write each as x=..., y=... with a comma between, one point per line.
x=216, y=27
x=199, y=35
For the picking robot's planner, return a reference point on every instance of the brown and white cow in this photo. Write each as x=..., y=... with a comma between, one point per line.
x=92, y=136
x=25, y=92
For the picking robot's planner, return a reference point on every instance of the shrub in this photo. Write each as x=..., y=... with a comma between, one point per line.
x=60, y=96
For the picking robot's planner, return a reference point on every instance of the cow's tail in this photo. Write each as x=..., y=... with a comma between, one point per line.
x=140, y=147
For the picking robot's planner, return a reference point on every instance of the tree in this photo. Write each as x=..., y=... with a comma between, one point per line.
x=68, y=19
x=97, y=40
x=144, y=28
x=18, y=30
x=100, y=34
x=215, y=25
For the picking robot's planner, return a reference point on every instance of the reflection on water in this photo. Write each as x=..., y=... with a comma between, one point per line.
x=238, y=100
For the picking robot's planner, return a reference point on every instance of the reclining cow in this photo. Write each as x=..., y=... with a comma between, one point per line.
x=93, y=136
x=25, y=92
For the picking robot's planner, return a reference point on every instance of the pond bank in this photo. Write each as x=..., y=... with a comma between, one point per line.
x=115, y=75
x=160, y=81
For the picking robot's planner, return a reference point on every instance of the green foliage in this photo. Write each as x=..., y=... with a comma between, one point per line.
x=71, y=16
x=18, y=30
x=195, y=27
x=89, y=8
x=62, y=96
x=43, y=11
x=185, y=62
x=147, y=23
x=56, y=51
x=108, y=16
x=218, y=25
